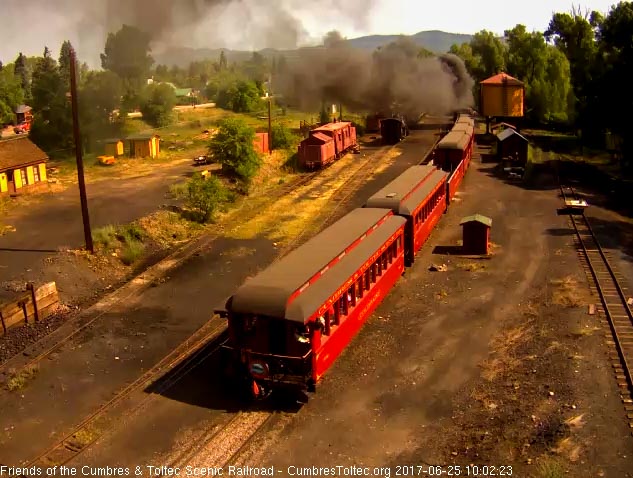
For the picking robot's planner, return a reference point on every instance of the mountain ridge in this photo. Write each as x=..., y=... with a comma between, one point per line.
x=436, y=41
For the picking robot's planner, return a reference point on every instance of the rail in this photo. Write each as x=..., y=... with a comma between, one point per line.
x=616, y=310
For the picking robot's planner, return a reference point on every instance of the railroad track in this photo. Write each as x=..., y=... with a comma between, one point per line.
x=614, y=303
x=180, y=361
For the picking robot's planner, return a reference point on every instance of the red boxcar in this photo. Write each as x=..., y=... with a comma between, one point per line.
x=316, y=151
x=288, y=324
x=343, y=137
x=418, y=195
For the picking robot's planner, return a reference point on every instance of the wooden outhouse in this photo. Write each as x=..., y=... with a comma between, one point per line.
x=476, y=234
x=22, y=165
x=113, y=147
x=144, y=146
x=512, y=146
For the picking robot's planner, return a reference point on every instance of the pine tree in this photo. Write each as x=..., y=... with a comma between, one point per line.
x=223, y=61
x=64, y=61
x=21, y=73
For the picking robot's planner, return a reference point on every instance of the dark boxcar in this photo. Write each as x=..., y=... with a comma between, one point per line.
x=392, y=130
x=418, y=195
x=289, y=323
x=316, y=151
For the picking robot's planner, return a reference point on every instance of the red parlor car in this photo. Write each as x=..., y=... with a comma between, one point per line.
x=418, y=195
x=289, y=323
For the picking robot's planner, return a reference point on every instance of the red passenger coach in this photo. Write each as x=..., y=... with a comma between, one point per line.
x=418, y=195
x=288, y=324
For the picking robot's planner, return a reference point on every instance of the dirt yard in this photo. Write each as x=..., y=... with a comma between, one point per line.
x=494, y=362
x=134, y=335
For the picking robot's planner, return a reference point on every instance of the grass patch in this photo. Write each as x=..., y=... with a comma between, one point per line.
x=471, y=266
x=550, y=468
x=568, y=293
x=131, y=252
x=167, y=228
x=503, y=357
x=126, y=241
x=105, y=237
x=19, y=380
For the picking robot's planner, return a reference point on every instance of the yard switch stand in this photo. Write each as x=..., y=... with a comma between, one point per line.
x=78, y=152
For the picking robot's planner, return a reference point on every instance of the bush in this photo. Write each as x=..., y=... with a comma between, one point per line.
x=157, y=104
x=283, y=137
x=105, y=237
x=131, y=252
x=233, y=147
x=204, y=197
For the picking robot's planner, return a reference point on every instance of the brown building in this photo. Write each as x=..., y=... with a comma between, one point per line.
x=512, y=146
x=22, y=165
x=476, y=234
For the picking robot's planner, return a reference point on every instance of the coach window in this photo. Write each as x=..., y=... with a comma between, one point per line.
x=327, y=317
x=351, y=295
x=367, y=278
x=359, y=287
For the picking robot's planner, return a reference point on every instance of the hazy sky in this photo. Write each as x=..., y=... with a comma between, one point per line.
x=246, y=24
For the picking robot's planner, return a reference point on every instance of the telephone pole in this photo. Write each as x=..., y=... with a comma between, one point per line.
x=270, y=116
x=78, y=152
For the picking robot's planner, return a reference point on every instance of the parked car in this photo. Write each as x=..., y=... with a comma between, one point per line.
x=200, y=160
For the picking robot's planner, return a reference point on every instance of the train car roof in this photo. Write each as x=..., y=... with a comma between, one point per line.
x=308, y=303
x=454, y=140
x=269, y=292
x=418, y=197
x=333, y=126
x=317, y=138
x=397, y=191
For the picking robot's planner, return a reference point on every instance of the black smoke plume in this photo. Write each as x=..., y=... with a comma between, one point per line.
x=396, y=78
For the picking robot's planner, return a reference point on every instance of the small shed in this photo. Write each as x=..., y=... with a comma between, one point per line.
x=512, y=145
x=144, y=146
x=476, y=234
x=22, y=166
x=113, y=147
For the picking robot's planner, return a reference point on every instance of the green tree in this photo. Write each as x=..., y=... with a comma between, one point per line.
x=487, y=55
x=11, y=94
x=52, y=127
x=223, y=63
x=21, y=72
x=545, y=71
x=241, y=96
x=233, y=148
x=64, y=61
x=157, y=104
x=127, y=53
x=99, y=97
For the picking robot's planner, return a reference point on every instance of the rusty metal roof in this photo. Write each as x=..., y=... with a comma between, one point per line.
x=15, y=153
x=142, y=137
x=502, y=79
x=23, y=109
x=333, y=126
x=269, y=292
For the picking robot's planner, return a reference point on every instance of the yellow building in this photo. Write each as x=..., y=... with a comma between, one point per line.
x=502, y=96
x=22, y=166
x=144, y=146
x=113, y=147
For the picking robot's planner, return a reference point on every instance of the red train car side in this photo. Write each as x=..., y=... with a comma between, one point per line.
x=288, y=324
x=342, y=135
x=418, y=195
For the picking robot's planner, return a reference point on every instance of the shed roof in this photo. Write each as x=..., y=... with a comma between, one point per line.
x=15, y=153
x=269, y=292
x=509, y=132
x=476, y=218
x=407, y=191
x=142, y=137
x=502, y=79
x=23, y=109
x=112, y=140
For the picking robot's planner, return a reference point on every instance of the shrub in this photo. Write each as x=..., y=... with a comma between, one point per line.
x=204, y=197
x=282, y=137
x=233, y=147
x=105, y=236
x=131, y=252
x=157, y=104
